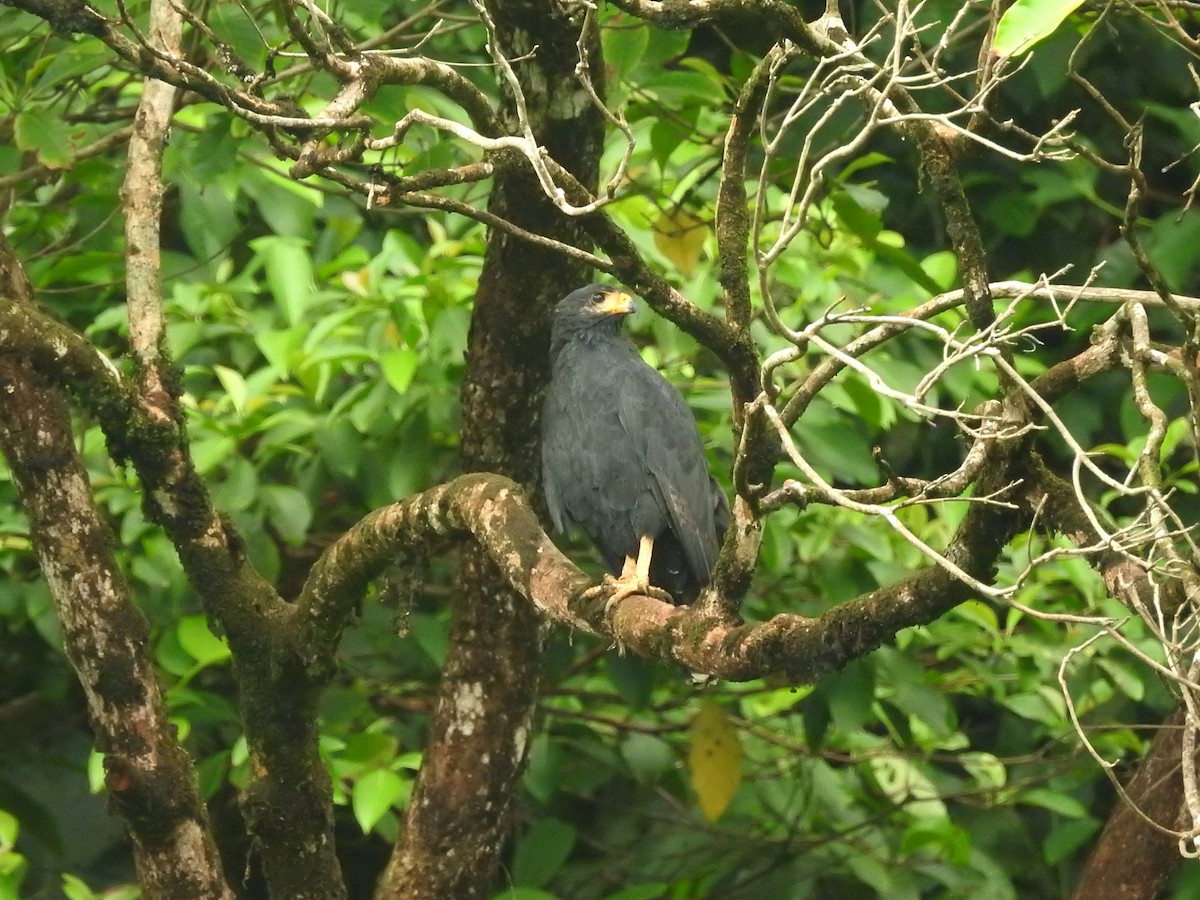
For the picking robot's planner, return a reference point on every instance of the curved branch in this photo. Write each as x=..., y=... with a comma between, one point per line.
x=493, y=511
x=490, y=508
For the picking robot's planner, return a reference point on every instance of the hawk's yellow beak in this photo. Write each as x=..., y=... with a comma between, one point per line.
x=617, y=303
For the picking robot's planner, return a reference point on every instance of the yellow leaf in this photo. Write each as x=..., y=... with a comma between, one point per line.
x=715, y=760
x=357, y=281
x=680, y=236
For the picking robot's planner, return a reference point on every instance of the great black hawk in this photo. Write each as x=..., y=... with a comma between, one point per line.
x=622, y=459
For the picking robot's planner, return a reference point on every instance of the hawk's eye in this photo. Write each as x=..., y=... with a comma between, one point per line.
x=598, y=297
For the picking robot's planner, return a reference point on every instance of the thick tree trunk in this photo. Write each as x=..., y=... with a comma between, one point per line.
x=459, y=817
x=1131, y=860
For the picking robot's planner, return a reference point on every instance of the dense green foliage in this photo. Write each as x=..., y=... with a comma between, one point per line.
x=321, y=349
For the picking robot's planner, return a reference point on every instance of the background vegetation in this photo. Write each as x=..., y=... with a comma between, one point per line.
x=320, y=345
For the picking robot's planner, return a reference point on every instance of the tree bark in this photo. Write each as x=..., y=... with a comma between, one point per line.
x=1131, y=860
x=148, y=773
x=459, y=817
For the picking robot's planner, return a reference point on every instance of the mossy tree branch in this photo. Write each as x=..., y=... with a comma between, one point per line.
x=288, y=801
x=148, y=773
x=495, y=513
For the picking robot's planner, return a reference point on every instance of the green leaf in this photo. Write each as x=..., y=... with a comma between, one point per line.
x=201, y=644
x=850, y=694
x=1067, y=837
x=13, y=867
x=770, y=703
x=374, y=794
x=46, y=134
x=633, y=677
x=371, y=750
x=986, y=769
x=647, y=756
x=939, y=837
x=289, y=273
x=836, y=449
x=341, y=446
x=874, y=872
x=868, y=405
x=76, y=888
x=210, y=452
x=95, y=771
x=235, y=387
x=859, y=219
x=1125, y=678
x=903, y=781
x=82, y=58
x=239, y=753
x=279, y=346
x=624, y=45
x=209, y=219
x=171, y=656
x=429, y=633
x=543, y=773
x=211, y=773
x=287, y=206
x=1171, y=246
x=1027, y=22
x=239, y=488
x=288, y=510
x=9, y=828
x=666, y=136
x=978, y=613
x=399, y=365
x=156, y=571
x=641, y=892
x=204, y=155
x=541, y=852
x=942, y=267
x=1063, y=804
x=320, y=333
x=663, y=46
x=1043, y=706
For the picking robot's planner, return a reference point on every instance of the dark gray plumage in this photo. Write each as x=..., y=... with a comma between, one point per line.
x=621, y=456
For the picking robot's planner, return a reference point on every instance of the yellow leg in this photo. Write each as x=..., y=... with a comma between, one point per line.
x=636, y=571
x=635, y=577
x=645, y=551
